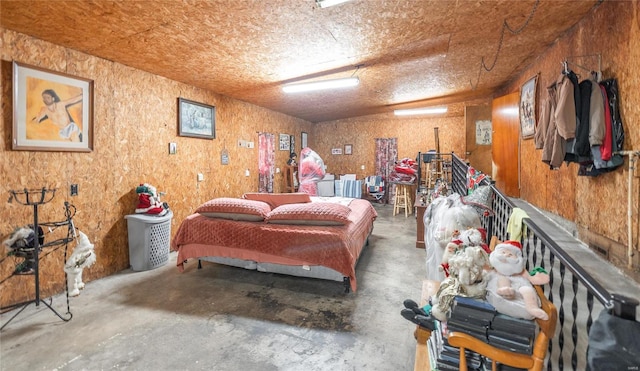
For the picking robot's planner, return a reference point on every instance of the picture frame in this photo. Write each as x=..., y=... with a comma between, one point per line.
x=483, y=132
x=348, y=149
x=336, y=151
x=196, y=120
x=303, y=140
x=52, y=111
x=285, y=144
x=527, y=108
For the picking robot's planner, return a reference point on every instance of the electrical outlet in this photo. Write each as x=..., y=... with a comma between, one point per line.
x=74, y=190
x=249, y=144
x=200, y=177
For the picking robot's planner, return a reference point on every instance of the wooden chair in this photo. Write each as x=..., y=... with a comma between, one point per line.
x=535, y=361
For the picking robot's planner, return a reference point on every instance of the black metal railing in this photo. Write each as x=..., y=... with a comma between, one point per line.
x=571, y=289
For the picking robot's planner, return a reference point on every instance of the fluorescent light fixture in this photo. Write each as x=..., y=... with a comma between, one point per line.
x=321, y=85
x=420, y=111
x=328, y=3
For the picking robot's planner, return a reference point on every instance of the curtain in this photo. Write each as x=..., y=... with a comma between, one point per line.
x=266, y=162
x=386, y=157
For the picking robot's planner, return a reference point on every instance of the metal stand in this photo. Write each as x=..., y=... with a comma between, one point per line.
x=36, y=197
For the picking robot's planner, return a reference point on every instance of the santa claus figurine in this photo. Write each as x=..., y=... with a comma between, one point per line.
x=510, y=287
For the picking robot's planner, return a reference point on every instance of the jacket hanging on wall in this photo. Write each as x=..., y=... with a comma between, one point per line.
x=557, y=122
x=603, y=156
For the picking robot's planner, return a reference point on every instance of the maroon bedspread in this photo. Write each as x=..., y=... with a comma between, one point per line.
x=335, y=247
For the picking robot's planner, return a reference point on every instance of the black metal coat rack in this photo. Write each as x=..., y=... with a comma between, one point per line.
x=35, y=198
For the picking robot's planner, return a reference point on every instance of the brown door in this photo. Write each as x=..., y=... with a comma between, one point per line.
x=506, y=137
x=478, y=142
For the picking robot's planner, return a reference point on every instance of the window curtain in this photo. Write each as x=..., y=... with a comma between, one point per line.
x=266, y=161
x=386, y=157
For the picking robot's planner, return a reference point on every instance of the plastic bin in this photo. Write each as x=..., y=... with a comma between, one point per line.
x=149, y=239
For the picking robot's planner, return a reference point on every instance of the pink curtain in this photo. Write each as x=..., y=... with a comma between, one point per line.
x=386, y=157
x=266, y=161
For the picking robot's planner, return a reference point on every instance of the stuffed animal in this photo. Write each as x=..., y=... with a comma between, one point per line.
x=82, y=257
x=149, y=201
x=475, y=237
x=450, y=250
x=466, y=278
x=510, y=287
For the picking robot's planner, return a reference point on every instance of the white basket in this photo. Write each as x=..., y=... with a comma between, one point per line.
x=149, y=239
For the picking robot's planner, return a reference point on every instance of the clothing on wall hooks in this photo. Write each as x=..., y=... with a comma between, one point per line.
x=580, y=120
x=597, y=73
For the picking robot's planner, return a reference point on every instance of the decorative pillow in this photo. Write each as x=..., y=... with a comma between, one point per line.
x=316, y=213
x=276, y=199
x=234, y=209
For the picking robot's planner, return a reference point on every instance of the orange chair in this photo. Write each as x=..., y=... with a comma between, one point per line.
x=534, y=361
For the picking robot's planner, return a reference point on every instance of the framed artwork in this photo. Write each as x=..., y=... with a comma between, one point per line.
x=292, y=144
x=348, y=149
x=197, y=120
x=483, y=132
x=303, y=140
x=284, y=142
x=52, y=111
x=528, y=108
x=336, y=151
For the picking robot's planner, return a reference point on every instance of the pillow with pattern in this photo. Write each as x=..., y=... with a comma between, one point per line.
x=277, y=199
x=315, y=213
x=234, y=209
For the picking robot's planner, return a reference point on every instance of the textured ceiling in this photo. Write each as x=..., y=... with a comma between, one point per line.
x=410, y=52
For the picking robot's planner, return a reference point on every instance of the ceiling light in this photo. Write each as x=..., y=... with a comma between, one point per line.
x=321, y=85
x=420, y=111
x=328, y=3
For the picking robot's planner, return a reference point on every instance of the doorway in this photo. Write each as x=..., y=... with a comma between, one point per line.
x=506, y=144
x=479, y=137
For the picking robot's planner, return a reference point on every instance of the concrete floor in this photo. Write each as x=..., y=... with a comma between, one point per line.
x=225, y=318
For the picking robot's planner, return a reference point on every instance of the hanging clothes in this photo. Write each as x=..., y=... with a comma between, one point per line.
x=559, y=120
x=596, y=114
x=611, y=86
x=613, y=139
x=583, y=148
x=574, y=122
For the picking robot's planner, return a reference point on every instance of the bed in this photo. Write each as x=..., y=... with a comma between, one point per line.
x=294, y=234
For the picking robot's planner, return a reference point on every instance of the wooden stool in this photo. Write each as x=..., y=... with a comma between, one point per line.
x=435, y=171
x=403, y=200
